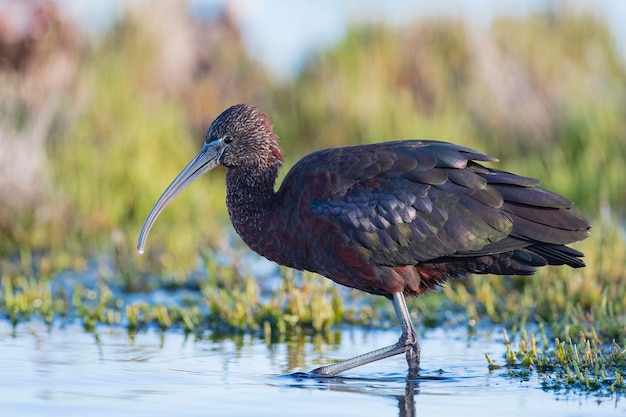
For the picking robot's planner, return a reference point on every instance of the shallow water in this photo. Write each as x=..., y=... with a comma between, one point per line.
x=66, y=371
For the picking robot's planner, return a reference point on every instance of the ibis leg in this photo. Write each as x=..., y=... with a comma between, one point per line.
x=406, y=344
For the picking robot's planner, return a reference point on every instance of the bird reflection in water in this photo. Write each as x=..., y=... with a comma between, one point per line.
x=403, y=390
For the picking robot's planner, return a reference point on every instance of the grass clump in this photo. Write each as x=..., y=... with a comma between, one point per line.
x=574, y=365
x=24, y=298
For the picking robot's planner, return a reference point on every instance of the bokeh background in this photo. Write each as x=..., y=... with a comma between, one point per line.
x=103, y=102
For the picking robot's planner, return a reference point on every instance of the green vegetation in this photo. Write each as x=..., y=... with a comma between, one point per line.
x=583, y=365
x=112, y=121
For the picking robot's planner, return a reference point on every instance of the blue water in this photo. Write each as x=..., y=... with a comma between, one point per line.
x=65, y=371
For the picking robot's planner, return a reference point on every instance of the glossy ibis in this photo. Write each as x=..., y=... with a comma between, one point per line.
x=394, y=219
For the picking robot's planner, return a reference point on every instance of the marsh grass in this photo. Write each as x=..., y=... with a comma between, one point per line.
x=576, y=365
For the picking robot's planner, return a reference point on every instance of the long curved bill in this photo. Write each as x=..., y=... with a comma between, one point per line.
x=205, y=160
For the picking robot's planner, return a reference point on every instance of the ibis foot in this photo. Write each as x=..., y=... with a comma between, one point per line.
x=406, y=344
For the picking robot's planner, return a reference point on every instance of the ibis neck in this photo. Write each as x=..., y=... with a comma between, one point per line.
x=250, y=194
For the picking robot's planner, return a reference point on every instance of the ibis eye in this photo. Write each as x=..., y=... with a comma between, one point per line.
x=228, y=139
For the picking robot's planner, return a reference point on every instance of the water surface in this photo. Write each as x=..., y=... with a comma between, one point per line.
x=66, y=371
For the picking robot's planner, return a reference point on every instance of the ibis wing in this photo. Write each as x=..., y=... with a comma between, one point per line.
x=405, y=202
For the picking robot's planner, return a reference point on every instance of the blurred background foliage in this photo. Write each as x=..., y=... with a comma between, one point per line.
x=93, y=129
